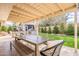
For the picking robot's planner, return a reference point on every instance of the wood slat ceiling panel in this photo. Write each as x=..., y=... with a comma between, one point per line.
x=20, y=16
x=41, y=7
x=18, y=19
x=31, y=9
x=28, y=9
x=67, y=5
x=20, y=10
x=19, y=13
x=29, y=12
x=53, y=7
x=36, y=9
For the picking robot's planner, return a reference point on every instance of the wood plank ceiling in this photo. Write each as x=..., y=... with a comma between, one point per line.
x=29, y=12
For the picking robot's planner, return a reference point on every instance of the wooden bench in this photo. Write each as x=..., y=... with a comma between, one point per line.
x=22, y=49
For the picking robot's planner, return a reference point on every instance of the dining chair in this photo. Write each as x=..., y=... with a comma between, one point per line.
x=53, y=50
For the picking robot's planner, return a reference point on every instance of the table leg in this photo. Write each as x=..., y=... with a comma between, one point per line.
x=37, y=52
x=11, y=48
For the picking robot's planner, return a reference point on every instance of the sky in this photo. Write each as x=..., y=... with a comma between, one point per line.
x=70, y=17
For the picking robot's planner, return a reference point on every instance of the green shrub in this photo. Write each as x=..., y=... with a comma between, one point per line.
x=56, y=29
x=9, y=29
x=6, y=28
x=3, y=28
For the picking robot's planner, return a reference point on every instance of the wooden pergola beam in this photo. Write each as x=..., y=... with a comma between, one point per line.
x=18, y=18
x=61, y=8
x=18, y=15
x=23, y=13
x=26, y=11
x=33, y=8
x=15, y=12
x=70, y=8
x=41, y=7
x=48, y=7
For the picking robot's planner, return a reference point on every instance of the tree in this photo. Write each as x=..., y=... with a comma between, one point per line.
x=70, y=30
x=0, y=28
x=62, y=30
x=78, y=30
x=42, y=30
x=56, y=29
x=45, y=29
x=49, y=30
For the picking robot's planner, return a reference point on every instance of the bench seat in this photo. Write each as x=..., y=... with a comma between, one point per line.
x=22, y=49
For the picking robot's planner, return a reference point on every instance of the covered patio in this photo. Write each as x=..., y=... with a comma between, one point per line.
x=32, y=14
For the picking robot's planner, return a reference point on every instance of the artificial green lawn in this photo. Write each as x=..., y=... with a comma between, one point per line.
x=69, y=40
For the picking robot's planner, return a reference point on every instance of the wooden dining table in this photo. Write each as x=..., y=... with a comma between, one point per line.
x=35, y=40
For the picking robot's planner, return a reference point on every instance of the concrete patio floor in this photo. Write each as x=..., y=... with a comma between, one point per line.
x=68, y=51
x=5, y=48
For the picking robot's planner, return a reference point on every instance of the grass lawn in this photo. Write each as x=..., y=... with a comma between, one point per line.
x=69, y=40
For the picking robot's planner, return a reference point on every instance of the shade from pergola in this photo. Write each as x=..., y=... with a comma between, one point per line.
x=28, y=12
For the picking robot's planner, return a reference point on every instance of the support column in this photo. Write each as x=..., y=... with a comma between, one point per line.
x=75, y=31
x=37, y=52
x=37, y=27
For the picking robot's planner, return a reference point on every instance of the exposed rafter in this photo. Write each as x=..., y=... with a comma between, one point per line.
x=61, y=7
x=23, y=15
x=23, y=10
x=42, y=7
x=20, y=16
x=18, y=19
x=72, y=7
x=33, y=8
x=29, y=12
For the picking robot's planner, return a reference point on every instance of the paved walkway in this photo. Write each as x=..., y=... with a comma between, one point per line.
x=68, y=51
x=5, y=48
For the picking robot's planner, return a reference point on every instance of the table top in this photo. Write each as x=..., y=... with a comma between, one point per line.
x=34, y=39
